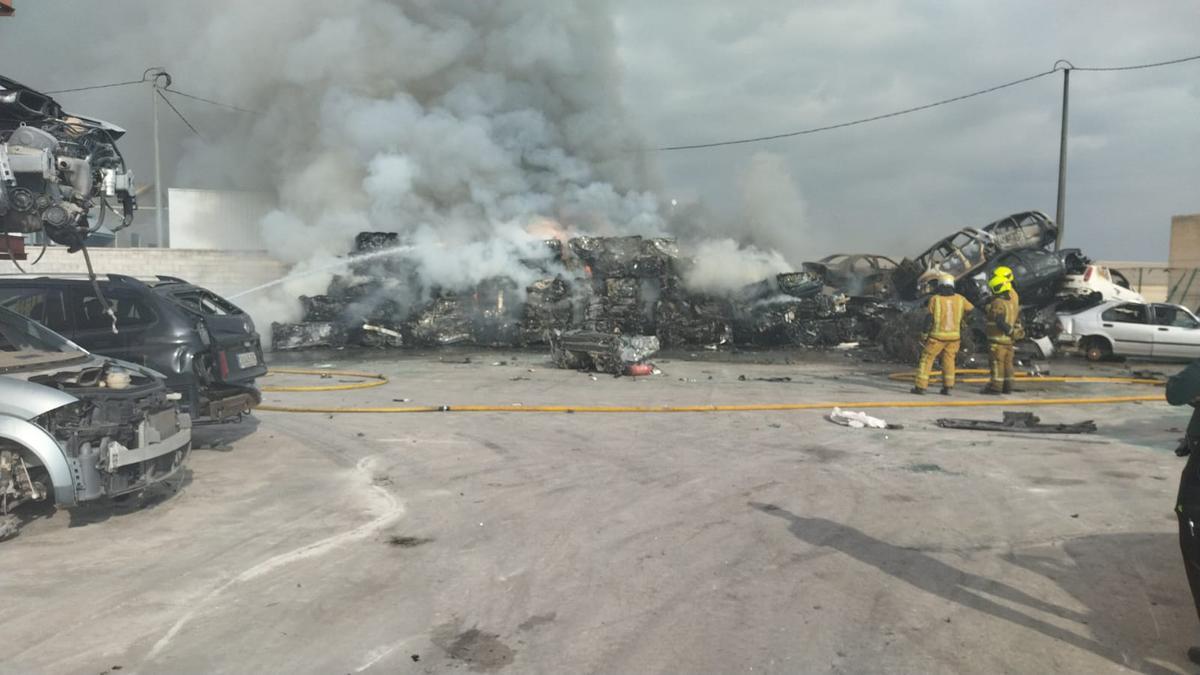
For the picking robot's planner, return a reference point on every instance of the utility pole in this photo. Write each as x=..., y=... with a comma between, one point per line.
x=153, y=75
x=1060, y=214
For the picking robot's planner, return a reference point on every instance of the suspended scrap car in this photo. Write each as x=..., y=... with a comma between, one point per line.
x=57, y=168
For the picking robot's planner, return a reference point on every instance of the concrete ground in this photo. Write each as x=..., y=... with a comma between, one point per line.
x=710, y=542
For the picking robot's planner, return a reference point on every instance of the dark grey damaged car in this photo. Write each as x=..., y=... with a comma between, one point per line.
x=204, y=345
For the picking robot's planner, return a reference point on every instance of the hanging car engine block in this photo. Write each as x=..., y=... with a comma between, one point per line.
x=58, y=169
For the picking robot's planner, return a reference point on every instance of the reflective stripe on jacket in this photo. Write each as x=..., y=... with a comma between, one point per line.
x=1002, y=308
x=947, y=311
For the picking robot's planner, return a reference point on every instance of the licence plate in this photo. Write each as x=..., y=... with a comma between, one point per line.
x=247, y=360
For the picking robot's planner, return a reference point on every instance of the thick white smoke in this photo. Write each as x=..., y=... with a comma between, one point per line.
x=775, y=214
x=457, y=123
x=722, y=265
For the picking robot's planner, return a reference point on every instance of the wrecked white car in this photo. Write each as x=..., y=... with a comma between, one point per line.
x=1115, y=328
x=1108, y=284
x=78, y=427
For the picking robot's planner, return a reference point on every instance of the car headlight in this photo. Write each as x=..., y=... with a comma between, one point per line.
x=68, y=415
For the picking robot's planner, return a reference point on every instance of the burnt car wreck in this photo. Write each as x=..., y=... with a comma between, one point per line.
x=635, y=286
x=627, y=286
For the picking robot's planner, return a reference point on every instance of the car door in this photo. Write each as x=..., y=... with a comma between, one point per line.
x=1177, y=332
x=94, y=328
x=1128, y=327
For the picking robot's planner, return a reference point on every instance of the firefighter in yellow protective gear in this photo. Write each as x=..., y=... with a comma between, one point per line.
x=947, y=309
x=1002, y=332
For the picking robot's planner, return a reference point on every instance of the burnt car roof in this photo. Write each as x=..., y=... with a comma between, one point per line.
x=856, y=256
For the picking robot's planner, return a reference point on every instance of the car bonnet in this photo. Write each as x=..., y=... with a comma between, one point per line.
x=27, y=400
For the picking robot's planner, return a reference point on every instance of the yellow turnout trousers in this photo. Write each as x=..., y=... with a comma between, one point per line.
x=1002, y=365
x=949, y=351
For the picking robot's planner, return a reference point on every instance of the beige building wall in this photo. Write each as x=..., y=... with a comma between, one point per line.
x=1151, y=279
x=1184, y=259
x=224, y=272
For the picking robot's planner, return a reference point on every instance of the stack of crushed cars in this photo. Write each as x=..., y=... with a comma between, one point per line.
x=589, y=287
x=1024, y=242
x=592, y=286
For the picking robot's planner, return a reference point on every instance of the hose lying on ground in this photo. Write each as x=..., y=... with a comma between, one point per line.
x=376, y=379
x=369, y=380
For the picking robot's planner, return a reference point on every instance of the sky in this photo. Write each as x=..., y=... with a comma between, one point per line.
x=699, y=71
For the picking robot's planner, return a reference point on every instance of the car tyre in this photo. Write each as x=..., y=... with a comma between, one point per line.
x=1097, y=349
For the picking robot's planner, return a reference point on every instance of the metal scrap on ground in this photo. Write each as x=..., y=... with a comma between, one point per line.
x=1019, y=422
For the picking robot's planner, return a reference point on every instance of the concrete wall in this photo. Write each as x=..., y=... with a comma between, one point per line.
x=1151, y=279
x=225, y=272
x=1184, y=258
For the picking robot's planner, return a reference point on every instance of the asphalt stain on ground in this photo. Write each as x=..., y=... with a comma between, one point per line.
x=537, y=620
x=1120, y=474
x=407, y=542
x=898, y=498
x=1060, y=482
x=925, y=468
x=481, y=651
x=824, y=455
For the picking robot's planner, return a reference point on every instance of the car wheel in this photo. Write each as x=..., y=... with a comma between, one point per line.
x=1097, y=349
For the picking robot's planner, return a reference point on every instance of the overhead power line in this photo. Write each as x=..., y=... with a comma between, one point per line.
x=96, y=86
x=209, y=101
x=176, y=110
x=927, y=106
x=216, y=103
x=1143, y=65
x=874, y=118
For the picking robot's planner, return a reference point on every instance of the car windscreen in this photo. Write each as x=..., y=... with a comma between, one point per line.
x=19, y=332
x=26, y=344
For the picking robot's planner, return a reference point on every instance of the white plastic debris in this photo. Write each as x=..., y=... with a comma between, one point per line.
x=1045, y=346
x=844, y=346
x=855, y=419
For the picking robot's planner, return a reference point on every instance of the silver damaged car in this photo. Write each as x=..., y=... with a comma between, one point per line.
x=77, y=427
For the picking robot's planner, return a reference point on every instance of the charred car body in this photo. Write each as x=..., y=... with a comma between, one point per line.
x=855, y=273
x=634, y=286
x=205, y=346
x=57, y=169
x=631, y=286
x=77, y=427
x=964, y=253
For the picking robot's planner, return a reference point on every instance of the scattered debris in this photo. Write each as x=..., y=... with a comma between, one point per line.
x=743, y=378
x=1019, y=422
x=307, y=335
x=602, y=352
x=858, y=420
x=639, y=369
x=407, y=542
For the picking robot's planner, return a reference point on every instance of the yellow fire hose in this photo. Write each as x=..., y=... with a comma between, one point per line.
x=369, y=380
x=376, y=380
x=936, y=376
